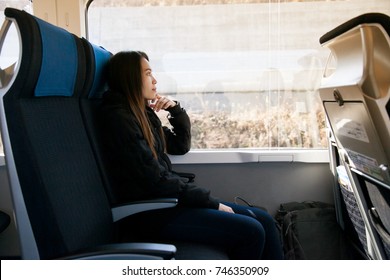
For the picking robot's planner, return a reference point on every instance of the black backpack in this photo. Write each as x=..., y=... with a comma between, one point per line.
x=310, y=231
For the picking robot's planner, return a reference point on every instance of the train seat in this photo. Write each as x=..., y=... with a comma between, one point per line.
x=63, y=202
x=356, y=99
x=90, y=102
x=61, y=207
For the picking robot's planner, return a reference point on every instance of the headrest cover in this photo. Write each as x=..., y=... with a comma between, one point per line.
x=59, y=61
x=99, y=82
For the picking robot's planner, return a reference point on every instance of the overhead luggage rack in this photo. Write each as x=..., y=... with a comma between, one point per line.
x=356, y=98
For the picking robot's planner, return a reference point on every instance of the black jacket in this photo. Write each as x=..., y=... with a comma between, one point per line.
x=136, y=174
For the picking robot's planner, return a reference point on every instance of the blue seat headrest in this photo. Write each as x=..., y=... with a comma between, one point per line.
x=99, y=86
x=59, y=61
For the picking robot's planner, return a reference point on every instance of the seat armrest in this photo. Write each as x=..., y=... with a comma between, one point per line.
x=125, y=210
x=127, y=251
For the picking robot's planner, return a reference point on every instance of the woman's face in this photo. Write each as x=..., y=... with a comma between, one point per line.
x=149, y=89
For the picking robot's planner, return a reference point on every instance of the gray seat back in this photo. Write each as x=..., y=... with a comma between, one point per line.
x=60, y=202
x=356, y=98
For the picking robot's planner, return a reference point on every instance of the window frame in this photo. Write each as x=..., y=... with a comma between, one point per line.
x=217, y=156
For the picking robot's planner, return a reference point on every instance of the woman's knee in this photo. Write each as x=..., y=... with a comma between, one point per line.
x=260, y=215
x=250, y=238
x=225, y=228
x=263, y=217
x=247, y=230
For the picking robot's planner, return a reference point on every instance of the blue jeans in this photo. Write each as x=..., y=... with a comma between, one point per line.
x=250, y=233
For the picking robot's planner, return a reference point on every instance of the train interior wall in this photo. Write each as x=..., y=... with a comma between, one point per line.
x=262, y=184
x=265, y=184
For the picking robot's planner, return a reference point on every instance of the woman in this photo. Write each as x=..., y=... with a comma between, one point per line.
x=137, y=144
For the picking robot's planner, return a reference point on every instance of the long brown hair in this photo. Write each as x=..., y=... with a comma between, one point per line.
x=125, y=77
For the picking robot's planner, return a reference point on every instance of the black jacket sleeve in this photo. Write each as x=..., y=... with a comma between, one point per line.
x=178, y=140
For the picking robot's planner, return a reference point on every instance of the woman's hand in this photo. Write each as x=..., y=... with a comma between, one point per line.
x=161, y=102
x=225, y=208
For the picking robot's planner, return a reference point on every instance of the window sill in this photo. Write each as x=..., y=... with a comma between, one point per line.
x=251, y=155
x=244, y=155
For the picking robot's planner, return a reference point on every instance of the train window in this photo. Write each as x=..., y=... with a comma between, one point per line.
x=247, y=71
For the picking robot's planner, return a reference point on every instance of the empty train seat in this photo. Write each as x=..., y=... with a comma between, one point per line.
x=60, y=204
x=62, y=196
x=356, y=98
